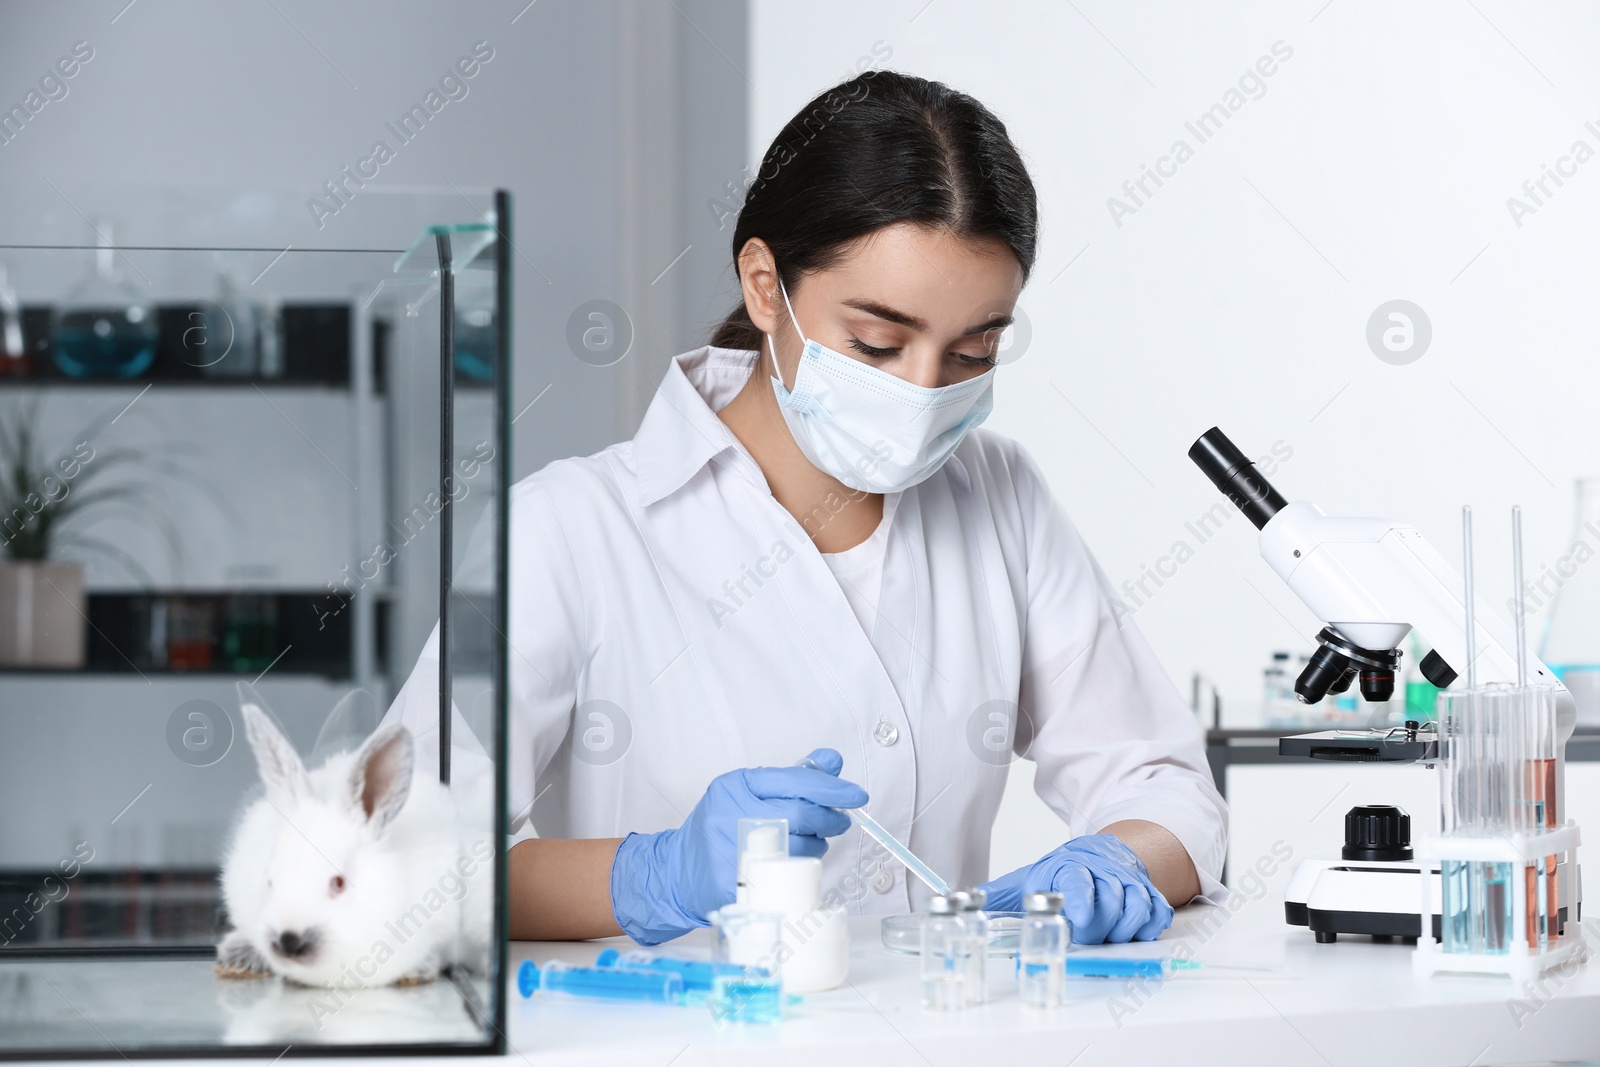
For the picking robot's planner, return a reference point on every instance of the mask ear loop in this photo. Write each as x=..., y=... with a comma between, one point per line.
x=772, y=342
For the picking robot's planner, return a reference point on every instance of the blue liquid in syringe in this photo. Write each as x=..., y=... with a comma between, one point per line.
x=605, y=983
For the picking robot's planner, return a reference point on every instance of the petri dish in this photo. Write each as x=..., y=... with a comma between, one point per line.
x=902, y=934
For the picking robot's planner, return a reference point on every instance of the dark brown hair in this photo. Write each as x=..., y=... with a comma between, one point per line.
x=881, y=148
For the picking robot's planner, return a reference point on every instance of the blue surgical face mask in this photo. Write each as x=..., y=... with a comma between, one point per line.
x=871, y=430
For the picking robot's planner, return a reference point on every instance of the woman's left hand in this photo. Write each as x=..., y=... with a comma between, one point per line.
x=1109, y=895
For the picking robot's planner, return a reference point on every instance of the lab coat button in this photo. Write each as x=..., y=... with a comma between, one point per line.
x=885, y=733
x=883, y=881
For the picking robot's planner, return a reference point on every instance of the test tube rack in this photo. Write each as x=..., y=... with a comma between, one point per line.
x=1507, y=857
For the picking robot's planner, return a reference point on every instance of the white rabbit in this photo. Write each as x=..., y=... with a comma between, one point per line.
x=358, y=873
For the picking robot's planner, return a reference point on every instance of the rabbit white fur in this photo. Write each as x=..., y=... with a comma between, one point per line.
x=358, y=873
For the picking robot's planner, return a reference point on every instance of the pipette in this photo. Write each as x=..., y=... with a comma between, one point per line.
x=875, y=830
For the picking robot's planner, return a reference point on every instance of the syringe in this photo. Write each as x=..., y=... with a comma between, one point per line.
x=696, y=975
x=607, y=983
x=875, y=830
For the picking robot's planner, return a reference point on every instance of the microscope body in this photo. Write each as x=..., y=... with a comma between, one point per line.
x=1372, y=582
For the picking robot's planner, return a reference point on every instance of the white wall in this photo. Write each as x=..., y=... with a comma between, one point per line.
x=1391, y=141
x=282, y=95
x=1375, y=165
x=611, y=123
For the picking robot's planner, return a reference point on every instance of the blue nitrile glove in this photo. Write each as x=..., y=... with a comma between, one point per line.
x=665, y=884
x=1109, y=896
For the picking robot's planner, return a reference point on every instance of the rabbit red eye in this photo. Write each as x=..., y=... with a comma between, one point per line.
x=336, y=885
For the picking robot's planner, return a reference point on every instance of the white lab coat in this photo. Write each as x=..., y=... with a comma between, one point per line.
x=670, y=621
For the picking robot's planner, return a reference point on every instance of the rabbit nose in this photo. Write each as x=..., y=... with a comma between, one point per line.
x=293, y=945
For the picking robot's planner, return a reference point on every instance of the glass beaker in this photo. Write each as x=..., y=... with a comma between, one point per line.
x=228, y=343
x=754, y=940
x=103, y=327
x=742, y=935
x=1571, y=644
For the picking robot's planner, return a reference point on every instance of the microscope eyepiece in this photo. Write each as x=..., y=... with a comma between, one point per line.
x=1231, y=471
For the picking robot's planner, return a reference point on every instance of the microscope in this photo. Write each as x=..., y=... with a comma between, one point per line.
x=1372, y=582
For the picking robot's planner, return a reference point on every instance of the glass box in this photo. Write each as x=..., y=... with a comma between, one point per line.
x=253, y=466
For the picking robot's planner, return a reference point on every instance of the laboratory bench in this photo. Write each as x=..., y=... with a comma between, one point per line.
x=1232, y=746
x=1268, y=994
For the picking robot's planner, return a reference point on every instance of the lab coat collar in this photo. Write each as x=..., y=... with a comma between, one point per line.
x=680, y=432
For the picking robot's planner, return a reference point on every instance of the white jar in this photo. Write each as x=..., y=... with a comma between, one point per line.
x=816, y=940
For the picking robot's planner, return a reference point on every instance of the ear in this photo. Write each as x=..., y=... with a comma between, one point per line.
x=282, y=773
x=758, y=283
x=352, y=720
x=380, y=781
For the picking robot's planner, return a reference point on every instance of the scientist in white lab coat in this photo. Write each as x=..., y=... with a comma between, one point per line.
x=811, y=548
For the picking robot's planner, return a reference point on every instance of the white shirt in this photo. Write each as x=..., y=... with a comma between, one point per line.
x=670, y=621
x=859, y=570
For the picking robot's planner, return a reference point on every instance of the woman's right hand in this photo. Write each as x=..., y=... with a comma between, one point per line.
x=666, y=884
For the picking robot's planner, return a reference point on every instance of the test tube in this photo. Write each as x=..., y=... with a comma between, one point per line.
x=1467, y=591
x=1539, y=784
x=1042, y=954
x=1522, y=607
x=603, y=983
x=943, y=945
x=1478, y=784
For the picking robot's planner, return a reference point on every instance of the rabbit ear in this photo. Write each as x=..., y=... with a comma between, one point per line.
x=281, y=770
x=351, y=722
x=380, y=781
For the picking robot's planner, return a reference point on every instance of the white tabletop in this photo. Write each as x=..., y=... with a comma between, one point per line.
x=1355, y=1002
x=1268, y=994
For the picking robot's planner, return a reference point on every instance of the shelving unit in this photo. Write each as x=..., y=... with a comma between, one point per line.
x=318, y=345
x=147, y=765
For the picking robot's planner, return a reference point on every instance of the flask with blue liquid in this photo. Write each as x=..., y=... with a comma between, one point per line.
x=104, y=327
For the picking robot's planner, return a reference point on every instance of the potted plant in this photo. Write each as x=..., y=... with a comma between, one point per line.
x=44, y=612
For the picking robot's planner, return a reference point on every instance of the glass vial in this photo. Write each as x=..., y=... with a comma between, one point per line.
x=975, y=942
x=943, y=945
x=1042, y=953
